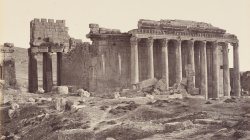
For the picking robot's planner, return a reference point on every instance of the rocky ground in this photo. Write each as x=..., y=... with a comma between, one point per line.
x=51, y=116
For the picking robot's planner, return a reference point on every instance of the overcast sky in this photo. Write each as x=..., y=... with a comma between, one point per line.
x=232, y=15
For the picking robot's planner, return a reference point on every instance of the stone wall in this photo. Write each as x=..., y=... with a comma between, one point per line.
x=76, y=66
x=110, y=64
x=245, y=81
x=7, y=65
x=44, y=32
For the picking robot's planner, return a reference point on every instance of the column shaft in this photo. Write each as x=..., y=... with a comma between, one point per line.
x=165, y=72
x=191, y=59
x=203, y=68
x=178, y=62
x=150, y=43
x=33, y=75
x=215, y=74
x=59, y=68
x=226, y=80
x=236, y=70
x=134, y=61
x=47, y=72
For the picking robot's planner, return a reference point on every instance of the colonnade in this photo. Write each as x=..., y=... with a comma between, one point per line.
x=208, y=63
x=47, y=70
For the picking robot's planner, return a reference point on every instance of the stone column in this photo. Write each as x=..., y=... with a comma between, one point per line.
x=59, y=68
x=165, y=73
x=236, y=86
x=203, y=68
x=47, y=72
x=33, y=75
x=191, y=58
x=215, y=74
x=226, y=80
x=134, y=61
x=178, y=59
x=150, y=43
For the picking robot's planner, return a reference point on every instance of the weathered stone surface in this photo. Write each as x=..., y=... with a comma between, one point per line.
x=173, y=126
x=60, y=104
x=83, y=93
x=60, y=89
x=75, y=134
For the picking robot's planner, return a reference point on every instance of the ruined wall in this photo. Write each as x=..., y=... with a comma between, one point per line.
x=110, y=64
x=49, y=32
x=76, y=66
x=7, y=65
x=245, y=81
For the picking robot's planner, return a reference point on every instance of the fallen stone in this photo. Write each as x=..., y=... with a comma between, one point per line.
x=12, y=113
x=173, y=126
x=40, y=90
x=7, y=98
x=83, y=93
x=60, y=104
x=60, y=89
x=14, y=106
x=147, y=83
x=77, y=107
x=207, y=121
x=109, y=138
x=72, y=89
x=161, y=85
x=75, y=134
x=176, y=96
x=117, y=95
x=31, y=100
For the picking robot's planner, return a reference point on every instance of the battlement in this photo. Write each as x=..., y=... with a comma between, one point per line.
x=48, y=21
x=48, y=31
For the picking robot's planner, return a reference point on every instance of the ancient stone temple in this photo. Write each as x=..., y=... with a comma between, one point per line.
x=172, y=50
x=7, y=65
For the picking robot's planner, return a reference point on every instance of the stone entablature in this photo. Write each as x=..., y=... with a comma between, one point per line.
x=179, y=25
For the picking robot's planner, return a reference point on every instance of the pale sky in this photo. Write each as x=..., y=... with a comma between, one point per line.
x=232, y=15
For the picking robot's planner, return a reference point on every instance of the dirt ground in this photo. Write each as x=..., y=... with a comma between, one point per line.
x=142, y=118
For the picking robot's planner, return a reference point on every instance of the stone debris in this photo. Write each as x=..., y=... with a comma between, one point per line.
x=161, y=85
x=60, y=104
x=32, y=100
x=173, y=126
x=147, y=83
x=40, y=91
x=117, y=95
x=83, y=93
x=207, y=121
x=60, y=89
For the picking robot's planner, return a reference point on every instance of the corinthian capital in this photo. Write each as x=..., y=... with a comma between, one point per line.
x=150, y=41
x=133, y=40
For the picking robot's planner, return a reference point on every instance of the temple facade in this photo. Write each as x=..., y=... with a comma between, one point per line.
x=172, y=50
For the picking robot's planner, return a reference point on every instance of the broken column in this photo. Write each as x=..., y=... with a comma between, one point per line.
x=47, y=72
